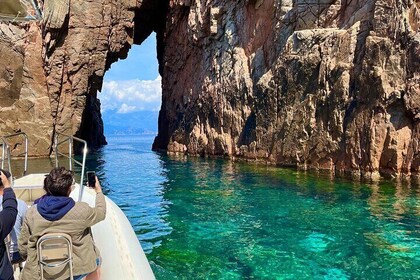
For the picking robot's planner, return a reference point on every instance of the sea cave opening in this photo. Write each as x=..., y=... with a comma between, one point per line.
x=131, y=92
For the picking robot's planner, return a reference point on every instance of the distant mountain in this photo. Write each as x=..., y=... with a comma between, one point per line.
x=139, y=122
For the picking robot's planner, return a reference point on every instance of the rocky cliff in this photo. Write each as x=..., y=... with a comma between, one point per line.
x=51, y=70
x=318, y=84
x=315, y=84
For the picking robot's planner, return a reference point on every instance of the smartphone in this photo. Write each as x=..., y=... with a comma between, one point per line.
x=91, y=179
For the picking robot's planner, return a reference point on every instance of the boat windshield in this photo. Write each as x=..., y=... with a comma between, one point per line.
x=19, y=10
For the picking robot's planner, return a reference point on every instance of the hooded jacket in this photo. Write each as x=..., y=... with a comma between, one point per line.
x=53, y=208
x=7, y=220
x=52, y=214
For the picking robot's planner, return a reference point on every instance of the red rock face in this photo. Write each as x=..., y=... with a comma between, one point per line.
x=313, y=84
x=24, y=102
x=52, y=70
x=58, y=67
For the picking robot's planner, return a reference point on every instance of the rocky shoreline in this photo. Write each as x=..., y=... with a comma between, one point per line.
x=354, y=175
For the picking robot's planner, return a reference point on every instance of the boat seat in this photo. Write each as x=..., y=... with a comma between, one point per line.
x=29, y=195
x=30, y=187
x=55, y=254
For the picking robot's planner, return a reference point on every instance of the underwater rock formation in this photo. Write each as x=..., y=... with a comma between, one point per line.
x=313, y=84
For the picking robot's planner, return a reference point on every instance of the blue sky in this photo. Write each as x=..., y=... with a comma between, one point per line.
x=133, y=84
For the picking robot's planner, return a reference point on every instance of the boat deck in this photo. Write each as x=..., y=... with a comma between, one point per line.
x=122, y=255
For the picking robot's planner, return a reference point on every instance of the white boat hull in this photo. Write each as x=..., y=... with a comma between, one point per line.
x=122, y=255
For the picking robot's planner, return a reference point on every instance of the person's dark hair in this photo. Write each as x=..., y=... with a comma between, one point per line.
x=58, y=182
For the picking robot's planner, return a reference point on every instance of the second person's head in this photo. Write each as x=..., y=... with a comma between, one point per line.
x=59, y=182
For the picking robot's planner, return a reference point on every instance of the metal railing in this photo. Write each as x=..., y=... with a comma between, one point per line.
x=6, y=154
x=70, y=141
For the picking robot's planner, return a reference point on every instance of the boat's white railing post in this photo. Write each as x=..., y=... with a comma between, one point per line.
x=70, y=154
x=6, y=156
x=3, y=150
x=26, y=154
x=56, y=149
x=9, y=163
x=70, y=141
x=4, y=146
x=82, y=187
x=6, y=153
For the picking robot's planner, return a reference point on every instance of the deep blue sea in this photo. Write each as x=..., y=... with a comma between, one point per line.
x=214, y=219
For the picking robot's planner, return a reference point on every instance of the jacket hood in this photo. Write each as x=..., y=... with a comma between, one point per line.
x=53, y=208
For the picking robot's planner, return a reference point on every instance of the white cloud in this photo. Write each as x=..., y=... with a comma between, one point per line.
x=131, y=95
x=126, y=109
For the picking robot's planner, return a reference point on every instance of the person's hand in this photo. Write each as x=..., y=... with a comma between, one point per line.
x=4, y=180
x=98, y=187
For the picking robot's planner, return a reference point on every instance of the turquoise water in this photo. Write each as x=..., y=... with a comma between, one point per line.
x=214, y=219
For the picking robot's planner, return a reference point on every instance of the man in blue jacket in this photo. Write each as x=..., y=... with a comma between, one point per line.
x=7, y=220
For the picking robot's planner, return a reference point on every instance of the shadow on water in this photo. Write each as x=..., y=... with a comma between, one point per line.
x=215, y=219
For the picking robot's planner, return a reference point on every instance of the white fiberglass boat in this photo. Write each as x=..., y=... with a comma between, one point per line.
x=121, y=252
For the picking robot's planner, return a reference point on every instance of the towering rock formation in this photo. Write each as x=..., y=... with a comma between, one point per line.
x=51, y=71
x=64, y=58
x=309, y=83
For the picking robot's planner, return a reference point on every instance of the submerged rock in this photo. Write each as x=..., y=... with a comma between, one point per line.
x=312, y=84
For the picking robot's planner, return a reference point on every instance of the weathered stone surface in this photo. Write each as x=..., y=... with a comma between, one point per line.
x=51, y=71
x=24, y=102
x=57, y=68
x=315, y=84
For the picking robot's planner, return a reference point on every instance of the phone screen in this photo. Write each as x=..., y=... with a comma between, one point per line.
x=91, y=178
